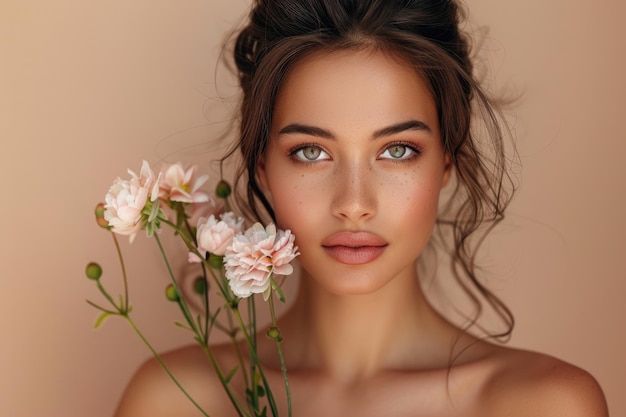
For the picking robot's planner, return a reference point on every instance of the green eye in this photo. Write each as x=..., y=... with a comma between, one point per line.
x=310, y=154
x=399, y=151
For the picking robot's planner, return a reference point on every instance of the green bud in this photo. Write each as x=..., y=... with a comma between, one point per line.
x=274, y=333
x=223, y=189
x=171, y=293
x=200, y=286
x=216, y=261
x=93, y=271
x=102, y=222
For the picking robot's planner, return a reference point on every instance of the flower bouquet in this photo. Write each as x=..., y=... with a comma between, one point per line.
x=237, y=262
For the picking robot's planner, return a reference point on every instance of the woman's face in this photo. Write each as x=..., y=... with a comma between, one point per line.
x=354, y=168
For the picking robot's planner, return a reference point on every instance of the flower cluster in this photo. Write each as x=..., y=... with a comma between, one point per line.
x=250, y=256
x=242, y=262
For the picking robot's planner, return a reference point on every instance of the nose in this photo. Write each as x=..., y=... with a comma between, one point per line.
x=354, y=194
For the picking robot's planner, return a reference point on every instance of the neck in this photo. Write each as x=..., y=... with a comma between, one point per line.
x=354, y=336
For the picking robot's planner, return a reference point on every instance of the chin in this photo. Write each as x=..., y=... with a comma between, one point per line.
x=349, y=283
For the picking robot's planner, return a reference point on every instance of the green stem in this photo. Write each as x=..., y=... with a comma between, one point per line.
x=233, y=337
x=278, y=340
x=123, y=307
x=108, y=297
x=255, y=358
x=231, y=395
x=196, y=330
x=207, y=310
x=183, y=305
x=163, y=365
x=252, y=332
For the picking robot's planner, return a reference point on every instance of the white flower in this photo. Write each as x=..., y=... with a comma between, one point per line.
x=126, y=200
x=253, y=257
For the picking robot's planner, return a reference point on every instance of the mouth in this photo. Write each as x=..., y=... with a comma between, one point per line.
x=354, y=248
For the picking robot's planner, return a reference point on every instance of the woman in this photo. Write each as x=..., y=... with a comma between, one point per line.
x=355, y=116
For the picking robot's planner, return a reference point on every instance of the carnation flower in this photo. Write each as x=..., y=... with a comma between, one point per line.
x=215, y=236
x=181, y=184
x=126, y=200
x=253, y=257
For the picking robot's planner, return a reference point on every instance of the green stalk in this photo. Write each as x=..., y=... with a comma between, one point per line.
x=163, y=365
x=124, y=307
x=233, y=338
x=255, y=358
x=278, y=340
x=183, y=305
x=231, y=395
x=252, y=331
x=199, y=333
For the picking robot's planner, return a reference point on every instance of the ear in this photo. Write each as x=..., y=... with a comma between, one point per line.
x=261, y=173
x=448, y=167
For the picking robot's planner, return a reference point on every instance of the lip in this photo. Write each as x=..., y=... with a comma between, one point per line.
x=354, y=248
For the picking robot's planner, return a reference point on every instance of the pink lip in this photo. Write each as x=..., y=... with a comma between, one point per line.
x=354, y=248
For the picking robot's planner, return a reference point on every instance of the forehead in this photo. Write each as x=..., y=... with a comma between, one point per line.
x=353, y=89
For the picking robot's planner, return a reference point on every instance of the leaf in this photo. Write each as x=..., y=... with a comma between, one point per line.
x=101, y=320
x=94, y=305
x=181, y=325
x=213, y=318
x=231, y=374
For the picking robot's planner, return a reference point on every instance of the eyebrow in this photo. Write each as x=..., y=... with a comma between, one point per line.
x=326, y=134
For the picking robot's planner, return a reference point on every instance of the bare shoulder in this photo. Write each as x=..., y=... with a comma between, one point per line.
x=531, y=384
x=151, y=391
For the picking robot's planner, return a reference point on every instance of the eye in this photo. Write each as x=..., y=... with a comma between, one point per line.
x=400, y=152
x=309, y=153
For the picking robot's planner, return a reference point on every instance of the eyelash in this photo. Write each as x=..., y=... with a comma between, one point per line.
x=416, y=149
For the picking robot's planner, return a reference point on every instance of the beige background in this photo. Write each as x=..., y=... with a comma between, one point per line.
x=88, y=89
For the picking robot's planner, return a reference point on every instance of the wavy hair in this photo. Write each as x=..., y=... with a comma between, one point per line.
x=423, y=33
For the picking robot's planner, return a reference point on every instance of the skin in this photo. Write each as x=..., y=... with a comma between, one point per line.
x=362, y=339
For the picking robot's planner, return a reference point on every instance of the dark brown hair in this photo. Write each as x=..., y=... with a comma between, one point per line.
x=424, y=34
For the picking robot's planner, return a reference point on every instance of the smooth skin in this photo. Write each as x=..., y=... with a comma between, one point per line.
x=355, y=147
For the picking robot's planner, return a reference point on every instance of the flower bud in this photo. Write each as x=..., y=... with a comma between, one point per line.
x=274, y=333
x=223, y=189
x=93, y=271
x=200, y=286
x=171, y=293
x=102, y=222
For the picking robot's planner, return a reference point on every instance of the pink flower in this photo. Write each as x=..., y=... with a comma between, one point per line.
x=126, y=200
x=181, y=184
x=215, y=236
x=253, y=257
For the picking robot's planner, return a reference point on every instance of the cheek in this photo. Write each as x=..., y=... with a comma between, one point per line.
x=293, y=201
x=412, y=205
